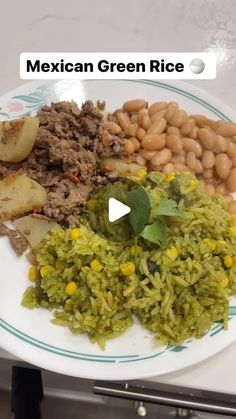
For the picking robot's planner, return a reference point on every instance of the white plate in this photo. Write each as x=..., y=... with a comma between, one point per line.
x=29, y=334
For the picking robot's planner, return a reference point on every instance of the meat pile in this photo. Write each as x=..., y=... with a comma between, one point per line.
x=65, y=159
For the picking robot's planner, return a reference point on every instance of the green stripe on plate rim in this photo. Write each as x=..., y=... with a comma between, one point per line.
x=77, y=355
x=100, y=358
x=154, y=83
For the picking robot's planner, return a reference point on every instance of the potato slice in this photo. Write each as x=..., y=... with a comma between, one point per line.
x=20, y=194
x=17, y=138
x=120, y=167
x=34, y=229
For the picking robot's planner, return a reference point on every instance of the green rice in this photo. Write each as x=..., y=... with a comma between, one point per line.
x=175, y=297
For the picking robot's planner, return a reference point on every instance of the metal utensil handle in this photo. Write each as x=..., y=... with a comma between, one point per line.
x=127, y=391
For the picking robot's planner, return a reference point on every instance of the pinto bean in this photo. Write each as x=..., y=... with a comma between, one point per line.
x=221, y=144
x=178, y=118
x=129, y=147
x=174, y=143
x=178, y=158
x=232, y=207
x=199, y=168
x=231, y=181
x=171, y=108
x=208, y=173
x=135, y=105
x=174, y=131
x=113, y=127
x=194, y=133
x=158, y=115
x=187, y=127
x=153, y=142
x=208, y=159
x=147, y=154
x=221, y=188
x=140, y=160
x=181, y=168
x=223, y=165
x=161, y=157
x=231, y=150
x=132, y=130
x=227, y=129
x=191, y=161
x=135, y=142
x=192, y=145
x=168, y=168
x=206, y=138
x=157, y=127
x=156, y=107
x=140, y=133
x=145, y=121
x=123, y=121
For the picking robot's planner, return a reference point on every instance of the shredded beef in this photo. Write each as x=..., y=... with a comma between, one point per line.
x=65, y=158
x=31, y=258
x=18, y=243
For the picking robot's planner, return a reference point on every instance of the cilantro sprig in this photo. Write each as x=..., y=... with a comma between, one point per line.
x=141, y=212
x=139, y=204
x=167, y=207
x=155, y=233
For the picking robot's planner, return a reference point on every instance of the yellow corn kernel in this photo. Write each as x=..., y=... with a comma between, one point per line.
x=46, y=270
x=32, y=274
x=135, y=250
x=187, y=173
x=91, y=204
x=75, y=233
x=223, y=280
x=96, y=266
x=142, y=173
x=232, y=230
x=59, y=264
x=70, y=289
x=210, y=243
x=228, y=261
x=170, y=176
x=172, y=253
x=68, y=306
x=192, y=184
x=127, y=268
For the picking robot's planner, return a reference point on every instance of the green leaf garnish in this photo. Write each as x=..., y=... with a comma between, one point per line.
x=155, y=233
x=167, y=207
x=139, y=204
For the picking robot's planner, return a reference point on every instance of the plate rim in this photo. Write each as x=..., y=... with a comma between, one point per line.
x=178, y=87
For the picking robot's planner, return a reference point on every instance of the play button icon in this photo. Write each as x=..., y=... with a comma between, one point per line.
x=115, y=207
x=117, y=210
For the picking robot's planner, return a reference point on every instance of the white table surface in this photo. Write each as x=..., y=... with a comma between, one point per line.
x=131, y=25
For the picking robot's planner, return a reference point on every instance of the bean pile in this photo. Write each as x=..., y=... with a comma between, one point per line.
x=165, y=138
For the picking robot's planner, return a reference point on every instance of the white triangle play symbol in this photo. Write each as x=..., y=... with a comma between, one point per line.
x=116, y=210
